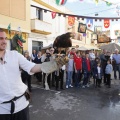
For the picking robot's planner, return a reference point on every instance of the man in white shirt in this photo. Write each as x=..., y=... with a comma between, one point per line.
x=13, y=103
x=91, y=55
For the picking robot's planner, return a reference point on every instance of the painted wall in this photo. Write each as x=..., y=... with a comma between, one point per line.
x=58, y=27
x=15, y=23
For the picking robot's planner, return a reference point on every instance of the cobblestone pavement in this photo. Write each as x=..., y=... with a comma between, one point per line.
x=76, y=103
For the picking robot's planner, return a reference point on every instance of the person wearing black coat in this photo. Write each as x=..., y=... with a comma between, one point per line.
x=26, y=78
x=98, y=75
x=37, y=60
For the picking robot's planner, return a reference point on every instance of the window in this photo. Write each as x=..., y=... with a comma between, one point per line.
x=36, y=45
x=39, y=14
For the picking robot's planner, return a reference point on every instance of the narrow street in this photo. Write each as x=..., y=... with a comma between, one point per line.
x=76, y=103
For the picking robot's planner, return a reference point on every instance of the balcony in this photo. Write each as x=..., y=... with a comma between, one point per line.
x=41, y=27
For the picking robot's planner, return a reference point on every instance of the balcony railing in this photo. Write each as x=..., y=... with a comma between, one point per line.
x=41, y=27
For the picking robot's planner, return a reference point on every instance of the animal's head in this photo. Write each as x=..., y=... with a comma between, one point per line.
x=63, y=40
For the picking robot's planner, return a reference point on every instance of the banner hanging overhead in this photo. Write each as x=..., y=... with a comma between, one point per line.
x=89, y=23
x=71, y=20
x=106, y=23
x=78, y=16
x=53, y=14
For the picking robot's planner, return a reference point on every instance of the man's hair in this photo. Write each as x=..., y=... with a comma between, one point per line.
x=77, y=51
x=72, y=48
x=116, y=50
x=1, y=30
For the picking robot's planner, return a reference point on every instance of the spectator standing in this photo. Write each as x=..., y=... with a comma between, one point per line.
x=70, y=69
x=103, y=58
x=26, y=78
x=108, y=71
x=97, y=60
x=116, y=59
x=34, y=55
x=92, y=59
x=98, y=75
x=78, y=68
x=37, y=60
x=86, y=67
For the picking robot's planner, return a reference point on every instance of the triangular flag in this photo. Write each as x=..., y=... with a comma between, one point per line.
x=96, y=1
x=108, y=3
x=53, y=14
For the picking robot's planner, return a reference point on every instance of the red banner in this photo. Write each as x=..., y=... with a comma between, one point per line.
x=53, y=15
x=106, y=23
x=71, y=20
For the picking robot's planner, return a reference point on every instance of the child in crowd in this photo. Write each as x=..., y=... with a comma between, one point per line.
x=98, y=74
x=108, y=71
x=70, y=69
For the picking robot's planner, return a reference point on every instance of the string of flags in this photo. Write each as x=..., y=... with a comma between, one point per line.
x=54, y=14
x=61, y=2
x=81, y=27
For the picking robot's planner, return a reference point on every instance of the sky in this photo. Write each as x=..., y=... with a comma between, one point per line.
x=90, y=8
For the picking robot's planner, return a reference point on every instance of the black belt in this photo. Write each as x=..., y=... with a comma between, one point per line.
x=12, y=103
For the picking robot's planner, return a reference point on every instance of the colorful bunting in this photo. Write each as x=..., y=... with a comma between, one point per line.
x=71, y=20
x=89, y=23
x=96, y=1
x=108, y=3
x=106, y=23
x=53, y=14
x=79, y=16
x=61, y=2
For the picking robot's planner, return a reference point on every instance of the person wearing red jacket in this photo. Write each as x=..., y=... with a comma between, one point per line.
x=78, y=68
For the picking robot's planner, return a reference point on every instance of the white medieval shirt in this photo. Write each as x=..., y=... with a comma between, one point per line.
x=11, y=84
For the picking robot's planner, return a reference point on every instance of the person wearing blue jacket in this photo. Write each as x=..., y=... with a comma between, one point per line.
x=108, y=71
x=86, y=68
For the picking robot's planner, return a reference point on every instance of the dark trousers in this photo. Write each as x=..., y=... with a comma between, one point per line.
x=86, y=78
x=108, y=76
x=98, y=82
x=22, y=115
x=116, y=68
x=59, y=79
x=77, y=78
x=39, y=76
x=26, y=78
x=53, y=79
x=105, y=77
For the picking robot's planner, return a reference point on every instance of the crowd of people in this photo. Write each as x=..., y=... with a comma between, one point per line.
x=83, y=68
x=79, y=69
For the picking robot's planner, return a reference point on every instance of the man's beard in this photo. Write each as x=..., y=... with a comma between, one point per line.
x=5, y=45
